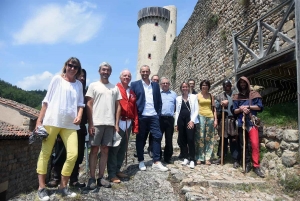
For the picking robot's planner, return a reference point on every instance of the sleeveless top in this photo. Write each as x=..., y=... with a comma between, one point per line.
x=205, y=107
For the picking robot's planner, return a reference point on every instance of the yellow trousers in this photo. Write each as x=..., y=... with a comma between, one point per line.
x=69, y=137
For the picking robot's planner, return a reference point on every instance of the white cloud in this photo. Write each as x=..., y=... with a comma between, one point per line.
x=54, y=23
x=35, y=82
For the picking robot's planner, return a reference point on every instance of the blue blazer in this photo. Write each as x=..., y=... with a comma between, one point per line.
x=138, y=89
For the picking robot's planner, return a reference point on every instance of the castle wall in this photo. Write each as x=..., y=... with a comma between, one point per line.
x=202, y=51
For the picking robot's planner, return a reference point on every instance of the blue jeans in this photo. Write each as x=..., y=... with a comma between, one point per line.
x=146, y=124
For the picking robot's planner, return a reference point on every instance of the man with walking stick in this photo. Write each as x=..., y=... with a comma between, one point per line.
x=227, y=131
x=246, y=104
x=128, y=120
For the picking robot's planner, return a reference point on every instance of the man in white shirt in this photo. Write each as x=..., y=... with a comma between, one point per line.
x=103, y=111
x=149, y=106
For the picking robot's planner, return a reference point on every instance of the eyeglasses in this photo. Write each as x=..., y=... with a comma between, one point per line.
x=73, y=66
x=165, y=83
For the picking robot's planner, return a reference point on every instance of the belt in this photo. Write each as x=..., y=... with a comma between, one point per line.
x=166, y=117
x=125, y=118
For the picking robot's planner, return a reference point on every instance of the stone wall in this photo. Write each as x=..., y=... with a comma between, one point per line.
x=204, y=50
x=18, y=162
x=282, y=146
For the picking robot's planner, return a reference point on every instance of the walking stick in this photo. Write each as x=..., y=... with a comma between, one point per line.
x=126, y=143
x=222, y=138
x=244, y=142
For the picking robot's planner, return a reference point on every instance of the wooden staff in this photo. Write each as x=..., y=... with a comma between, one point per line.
x=126, y=143
x=244, y=142
x=222, y=139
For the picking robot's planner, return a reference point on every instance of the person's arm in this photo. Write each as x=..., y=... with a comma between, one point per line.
x=77, y=120
x=39, y=121
x=215, y=112
x=89, y=112
x=118, y=114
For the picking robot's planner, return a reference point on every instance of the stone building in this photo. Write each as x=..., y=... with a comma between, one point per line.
x=17, y=158
x=157, y=31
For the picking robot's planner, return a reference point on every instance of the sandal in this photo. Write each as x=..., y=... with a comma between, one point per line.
x=207, y=162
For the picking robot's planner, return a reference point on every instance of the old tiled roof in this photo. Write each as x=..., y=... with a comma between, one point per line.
x=9, y=131
x=26, y=110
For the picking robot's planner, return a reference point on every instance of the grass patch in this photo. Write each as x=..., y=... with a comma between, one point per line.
x=281, y=115
x=291, y=183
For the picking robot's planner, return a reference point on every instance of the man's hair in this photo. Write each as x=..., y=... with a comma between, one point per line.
x=105, y=64
x=164, y=78
x=191, y=80
x=124, y=71
x=153, y=76
x=144, y=66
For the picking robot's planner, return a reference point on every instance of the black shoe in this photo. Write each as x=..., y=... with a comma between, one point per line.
x=168, y=161
x=248, y=167
x=236, y=165
x=77, y=184
x=92, y=184
x=258, y=171
x=217, y=162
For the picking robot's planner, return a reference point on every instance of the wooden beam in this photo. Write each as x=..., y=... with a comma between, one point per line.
x=247, y=49
x=280, y=34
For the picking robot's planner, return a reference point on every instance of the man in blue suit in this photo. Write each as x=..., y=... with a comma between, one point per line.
x=149, y=106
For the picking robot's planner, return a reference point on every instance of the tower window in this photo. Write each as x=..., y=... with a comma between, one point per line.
x=154, y=38
x=149, y=56
x=156, y=23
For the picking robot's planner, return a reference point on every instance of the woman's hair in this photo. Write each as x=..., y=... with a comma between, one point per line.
x=205, y=82
x=74, y=61
x=182, y=85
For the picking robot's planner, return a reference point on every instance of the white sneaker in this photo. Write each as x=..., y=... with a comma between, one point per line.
x=159, y=166
x=185, y=162
x=142, y=166
x=192, y=164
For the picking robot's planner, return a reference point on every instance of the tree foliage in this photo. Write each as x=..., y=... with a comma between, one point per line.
x=31, y=98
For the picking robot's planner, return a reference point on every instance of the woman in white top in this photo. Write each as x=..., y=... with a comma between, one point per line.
x=61, y=113
x=186, y=116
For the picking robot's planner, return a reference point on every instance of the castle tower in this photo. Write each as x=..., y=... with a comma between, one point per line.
x=157, y=32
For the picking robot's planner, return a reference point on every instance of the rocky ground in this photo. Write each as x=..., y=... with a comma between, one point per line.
x=214, y=182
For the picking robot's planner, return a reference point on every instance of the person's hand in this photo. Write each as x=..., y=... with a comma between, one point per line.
x=190, y=125
x=224, y=103
x=215, y=123
x=246, y=111
x=91, y=130
x=77, y=121
x=117, y=128
x=176, y=129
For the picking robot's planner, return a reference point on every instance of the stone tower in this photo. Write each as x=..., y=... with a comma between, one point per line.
x=157, y=32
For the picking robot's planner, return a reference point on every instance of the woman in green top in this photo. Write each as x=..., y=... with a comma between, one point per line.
x=208, y=121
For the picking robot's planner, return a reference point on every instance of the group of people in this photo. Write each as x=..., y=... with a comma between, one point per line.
x=145, y=108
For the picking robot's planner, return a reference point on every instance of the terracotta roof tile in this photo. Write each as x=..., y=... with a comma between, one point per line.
x=9, y=131
x=33, y=113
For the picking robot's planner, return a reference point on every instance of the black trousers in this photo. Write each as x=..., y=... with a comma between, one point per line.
x=234, y=147
x=186, y=138
x=60, y=156
x=167, y=128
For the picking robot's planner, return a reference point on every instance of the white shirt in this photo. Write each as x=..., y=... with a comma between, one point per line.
x=149, y=109
x=63, y=99
x=122, y=124
x=104, y=107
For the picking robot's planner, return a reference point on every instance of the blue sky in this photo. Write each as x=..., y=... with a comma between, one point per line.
x=38, y=36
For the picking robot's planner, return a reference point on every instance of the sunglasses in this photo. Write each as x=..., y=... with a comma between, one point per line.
x=73, y=66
